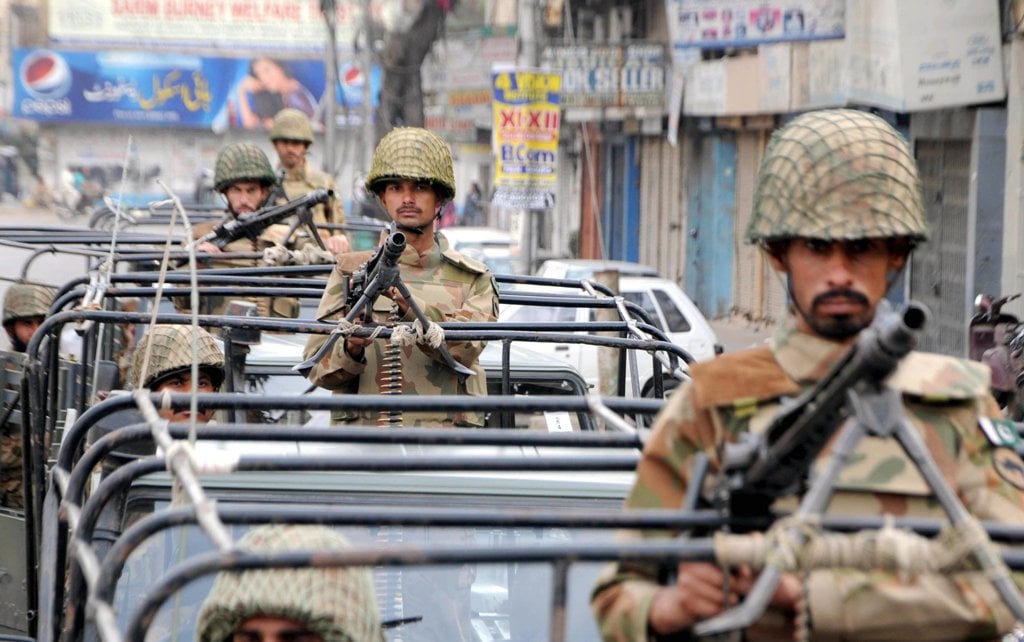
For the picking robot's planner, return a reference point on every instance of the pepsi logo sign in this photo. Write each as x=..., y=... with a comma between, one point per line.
x=45, y=74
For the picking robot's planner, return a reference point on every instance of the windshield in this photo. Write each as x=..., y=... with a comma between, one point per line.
x=467, y=602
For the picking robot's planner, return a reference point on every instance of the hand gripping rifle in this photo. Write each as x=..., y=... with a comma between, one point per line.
x=251, y=225
x=760, y=468
x=370, y=281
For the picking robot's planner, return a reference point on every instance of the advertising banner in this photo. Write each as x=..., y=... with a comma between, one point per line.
x=525, y=135
x=717, y=24
x=609, y=75
x=295, y=25
x=138, y=88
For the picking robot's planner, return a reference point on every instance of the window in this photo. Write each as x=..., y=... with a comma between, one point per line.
x=673, y=315
x=644, y=300
x=542, y=314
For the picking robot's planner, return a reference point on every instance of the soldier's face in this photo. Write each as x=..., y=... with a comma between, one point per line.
x=20, y=331
x=837, y=285
x=182, y=382
x=273, y=629
x=411, y=203
x=245, y=196
x=292, y=153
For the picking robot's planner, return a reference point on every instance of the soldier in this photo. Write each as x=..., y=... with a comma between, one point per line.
x=244, y=176
x=412, y=176
x=299, y=604
x=837, y=211
x=292, y=134
x=170, y=365
x=25, y=307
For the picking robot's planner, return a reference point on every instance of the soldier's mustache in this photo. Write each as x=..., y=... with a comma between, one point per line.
x=841, y=293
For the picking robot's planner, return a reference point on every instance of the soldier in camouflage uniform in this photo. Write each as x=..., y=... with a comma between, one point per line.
x=298, y=604
x=244, y=176
x=837, y=210
x=25, y=307
x=292, y=134
x=412, y=176
x=170, y=365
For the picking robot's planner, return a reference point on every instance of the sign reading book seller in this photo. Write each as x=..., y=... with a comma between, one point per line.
x=610, y=75
x=527, y=113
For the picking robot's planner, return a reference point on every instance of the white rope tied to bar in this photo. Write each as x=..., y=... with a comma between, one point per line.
x=888, y=549
x=405, y=335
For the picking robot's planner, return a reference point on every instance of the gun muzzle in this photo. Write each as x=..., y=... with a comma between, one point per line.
x=394, y=245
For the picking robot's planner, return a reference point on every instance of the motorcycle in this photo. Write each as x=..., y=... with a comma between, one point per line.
x=997, y=340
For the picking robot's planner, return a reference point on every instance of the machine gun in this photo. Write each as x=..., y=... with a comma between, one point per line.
x=370, y=281
x=759, y=469
x=763, y=467
x=251, y=225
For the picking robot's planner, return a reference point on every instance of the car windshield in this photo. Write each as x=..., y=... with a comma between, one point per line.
x=540, y=314
x=471, y=602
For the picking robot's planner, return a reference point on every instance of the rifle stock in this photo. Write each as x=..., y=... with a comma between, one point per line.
x=252, y=225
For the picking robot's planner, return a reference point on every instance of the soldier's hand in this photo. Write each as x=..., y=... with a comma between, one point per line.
x=338, y=244
x=396, y=296
x=787, y=594
x=696, y=595
x=208, y=248
x=355, y=346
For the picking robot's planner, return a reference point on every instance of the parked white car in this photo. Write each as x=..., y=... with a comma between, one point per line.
x=497, y=248
x=668, y=306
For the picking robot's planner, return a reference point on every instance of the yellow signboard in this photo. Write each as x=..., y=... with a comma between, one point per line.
x=527, y=114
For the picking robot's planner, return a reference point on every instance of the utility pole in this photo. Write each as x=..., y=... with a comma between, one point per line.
x=330, y=11
x=369, y=126
x=529, y=58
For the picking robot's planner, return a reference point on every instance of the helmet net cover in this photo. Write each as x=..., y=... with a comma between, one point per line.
x=172, y=352
x=835, y=175
x=242, y=162
x=338, y=604
x=413, y=153
x=25, y=300
x=291, y=124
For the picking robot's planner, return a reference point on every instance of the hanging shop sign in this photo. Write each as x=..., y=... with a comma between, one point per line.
x=609, y=75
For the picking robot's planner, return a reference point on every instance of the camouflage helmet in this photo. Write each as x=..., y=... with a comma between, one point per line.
x=292, y=124
x=415, y=154
x=837, y=174
x=336, y=603
x=172, y=352
x=24, y=300
x=242, y=162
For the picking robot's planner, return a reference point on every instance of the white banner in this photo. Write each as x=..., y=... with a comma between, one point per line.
x=295, y=25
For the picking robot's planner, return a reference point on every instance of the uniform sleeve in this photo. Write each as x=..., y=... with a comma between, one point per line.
x=481, y=305
x=855, y=605
x=622, y=597
x=337, y=370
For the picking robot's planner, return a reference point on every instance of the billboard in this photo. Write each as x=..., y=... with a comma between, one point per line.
x=142, y=88
x=717, y=24
x=295, y=25
x=609, y=75
x=527, y=114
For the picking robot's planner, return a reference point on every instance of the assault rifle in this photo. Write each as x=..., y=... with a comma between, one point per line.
x=251, y=224
x=759, y=469
x=370, y=281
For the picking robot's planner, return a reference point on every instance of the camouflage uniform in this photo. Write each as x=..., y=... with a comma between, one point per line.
x=243, y=162
x=808, y=188
x=22, y=300
x=293, y=124
x=338, y=604
x=171, y=352
x=446, y=286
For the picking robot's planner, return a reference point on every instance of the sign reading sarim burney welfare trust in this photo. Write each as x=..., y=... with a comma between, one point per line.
x=295, y=25
x=527, y=113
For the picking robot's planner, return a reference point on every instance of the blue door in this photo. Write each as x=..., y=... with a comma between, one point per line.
x=711, y=233
x=620, y=215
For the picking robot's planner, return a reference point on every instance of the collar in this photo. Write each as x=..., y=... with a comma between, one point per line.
x=804, y=357
x=297, y=174
x=427, y=260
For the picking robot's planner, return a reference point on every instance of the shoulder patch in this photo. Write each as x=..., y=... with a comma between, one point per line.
x=741, y=379
x=1008, y=464
x=1001, y=433
x=938, y=378
x=464, y=262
